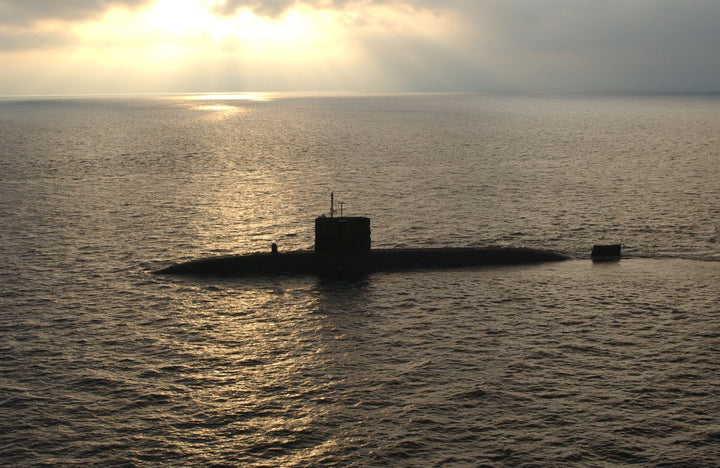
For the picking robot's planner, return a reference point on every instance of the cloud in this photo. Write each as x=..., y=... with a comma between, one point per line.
x=411, y=45
x=272, y=8
x=275, y=8
x=23, y=12
x=614, y=44
x=33, y=40
x=20, y=21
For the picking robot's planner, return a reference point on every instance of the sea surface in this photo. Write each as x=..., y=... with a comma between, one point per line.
x=574, y=363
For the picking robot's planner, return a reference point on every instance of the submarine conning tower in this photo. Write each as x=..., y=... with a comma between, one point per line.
x=343, y=234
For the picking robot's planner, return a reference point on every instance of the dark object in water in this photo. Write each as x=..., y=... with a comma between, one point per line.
x=342, y=264
x=342, y=248
x=605, y=252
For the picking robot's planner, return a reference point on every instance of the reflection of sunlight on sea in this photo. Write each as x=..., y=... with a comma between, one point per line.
x=230, y=97
x=267, y=359
x=222, y=106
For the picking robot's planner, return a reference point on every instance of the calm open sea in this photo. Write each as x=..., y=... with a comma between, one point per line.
x=571, y=363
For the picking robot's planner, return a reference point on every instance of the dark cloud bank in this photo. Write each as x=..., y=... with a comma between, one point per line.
x=19, y=12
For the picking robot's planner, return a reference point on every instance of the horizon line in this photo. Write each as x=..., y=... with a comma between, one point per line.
x=329, y=93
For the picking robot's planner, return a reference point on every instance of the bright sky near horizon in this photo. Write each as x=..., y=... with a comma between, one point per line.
x=175, y=46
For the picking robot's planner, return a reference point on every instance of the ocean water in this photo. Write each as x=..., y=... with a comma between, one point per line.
x=572, y=364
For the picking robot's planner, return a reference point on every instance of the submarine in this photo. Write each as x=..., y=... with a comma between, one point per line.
x=342, y=248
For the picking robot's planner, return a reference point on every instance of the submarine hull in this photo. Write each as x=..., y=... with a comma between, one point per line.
x=342, y=264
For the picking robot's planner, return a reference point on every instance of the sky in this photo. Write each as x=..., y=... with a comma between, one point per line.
x=192, y=46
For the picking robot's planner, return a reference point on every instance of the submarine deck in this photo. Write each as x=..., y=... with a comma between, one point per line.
x=377, y=260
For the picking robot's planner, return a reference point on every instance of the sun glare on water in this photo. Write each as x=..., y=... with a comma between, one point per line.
x=226, y=104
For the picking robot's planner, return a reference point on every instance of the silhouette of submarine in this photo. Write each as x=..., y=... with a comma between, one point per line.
x=342, y=248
